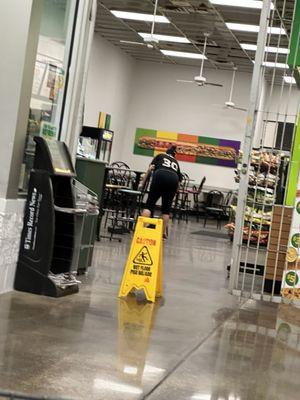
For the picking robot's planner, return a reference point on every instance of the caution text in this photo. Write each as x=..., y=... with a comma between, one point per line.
x=150, y=242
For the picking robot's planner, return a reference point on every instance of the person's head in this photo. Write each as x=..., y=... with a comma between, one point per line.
x=172, y=150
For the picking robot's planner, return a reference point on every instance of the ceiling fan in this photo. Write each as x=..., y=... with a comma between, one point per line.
x=230, y=103
x=201, y=80
x=149, y=41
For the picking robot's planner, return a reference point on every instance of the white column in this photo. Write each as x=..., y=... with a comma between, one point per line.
x=19, y=32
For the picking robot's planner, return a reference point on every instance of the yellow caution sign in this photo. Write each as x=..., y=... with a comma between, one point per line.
x=144, y=265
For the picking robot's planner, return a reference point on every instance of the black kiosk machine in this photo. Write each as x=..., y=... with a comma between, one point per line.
x=47, y=242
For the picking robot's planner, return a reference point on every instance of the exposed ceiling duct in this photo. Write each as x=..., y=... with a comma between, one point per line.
x=191, y=19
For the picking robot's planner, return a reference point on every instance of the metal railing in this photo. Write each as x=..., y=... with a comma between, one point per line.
x=263, y=219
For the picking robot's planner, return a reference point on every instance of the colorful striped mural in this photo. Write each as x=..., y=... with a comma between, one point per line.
x=190, y=148
x=104, y=120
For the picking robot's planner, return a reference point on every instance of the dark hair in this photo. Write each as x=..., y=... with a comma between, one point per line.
x=172, y=150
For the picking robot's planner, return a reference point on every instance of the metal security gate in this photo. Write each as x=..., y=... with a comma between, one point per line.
x=266, y=244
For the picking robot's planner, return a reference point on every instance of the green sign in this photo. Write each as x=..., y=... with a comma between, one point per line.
x=291, y=278
x=294, y=56
x=48, y=130
x=296, y=240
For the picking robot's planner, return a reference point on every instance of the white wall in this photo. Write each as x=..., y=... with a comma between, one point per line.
x=159, y=102
x=108, y=89
x=18, y=41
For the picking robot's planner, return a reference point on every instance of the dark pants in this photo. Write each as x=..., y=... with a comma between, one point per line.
x=164, y=184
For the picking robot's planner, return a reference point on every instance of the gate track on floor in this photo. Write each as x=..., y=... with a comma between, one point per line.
x=4, y=395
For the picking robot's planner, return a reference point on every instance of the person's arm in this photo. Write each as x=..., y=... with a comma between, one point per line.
x=151, y=168
x=179, y=176
x=146, y=176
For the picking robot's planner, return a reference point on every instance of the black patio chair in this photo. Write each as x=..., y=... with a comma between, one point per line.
x=182, y=203
x=198, y=205
x=214, y=207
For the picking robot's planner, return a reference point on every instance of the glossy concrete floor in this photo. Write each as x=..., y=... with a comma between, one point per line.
x=197, y=343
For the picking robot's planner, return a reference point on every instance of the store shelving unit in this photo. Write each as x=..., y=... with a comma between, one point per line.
x=266, y=187
x=260, y=197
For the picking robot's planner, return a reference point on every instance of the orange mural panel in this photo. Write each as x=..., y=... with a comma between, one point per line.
x=182, y=137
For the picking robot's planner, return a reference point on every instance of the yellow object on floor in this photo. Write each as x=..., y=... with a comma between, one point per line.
x=144, y=264
x=135, y=326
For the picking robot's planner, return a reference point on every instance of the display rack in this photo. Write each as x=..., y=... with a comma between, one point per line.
x=260, y=197
x=269, y=120
x=266, y=187
x=48, y=238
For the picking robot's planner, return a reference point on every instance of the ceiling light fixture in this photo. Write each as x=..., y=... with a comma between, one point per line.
x=289, y=80
x=253, y=47
x=253, y=28
x=164, y=38
x=271, y=64
x=182, y=54
x=140, y=17
x=240, y=3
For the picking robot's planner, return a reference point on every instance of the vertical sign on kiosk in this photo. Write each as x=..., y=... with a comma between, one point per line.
x=144, y=264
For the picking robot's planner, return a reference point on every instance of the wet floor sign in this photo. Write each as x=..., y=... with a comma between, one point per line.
x=144, y=265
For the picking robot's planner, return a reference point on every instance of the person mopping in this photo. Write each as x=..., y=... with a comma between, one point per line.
x=165, y=182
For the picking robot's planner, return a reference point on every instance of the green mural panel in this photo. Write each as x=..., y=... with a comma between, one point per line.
x=294, y=170
x=206, y=160
x=207, y=140
x=140, y=133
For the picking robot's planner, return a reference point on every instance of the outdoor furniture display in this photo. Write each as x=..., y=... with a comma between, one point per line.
x=182, y=203
x=214, y=207
x=125, y=215
x=119, y=174
x=118, y=177
x=122, y=200
x=198, y=205
x=227, y=206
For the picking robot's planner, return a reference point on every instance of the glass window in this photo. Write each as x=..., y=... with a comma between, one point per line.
x=48, y=88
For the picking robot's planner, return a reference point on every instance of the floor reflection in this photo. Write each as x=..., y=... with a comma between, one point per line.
x=253, y=355
x=136, y=320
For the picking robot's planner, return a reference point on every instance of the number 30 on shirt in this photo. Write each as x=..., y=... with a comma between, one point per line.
x=170, y=164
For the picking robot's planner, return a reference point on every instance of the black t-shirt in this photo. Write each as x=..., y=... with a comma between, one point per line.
x=167, y=162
